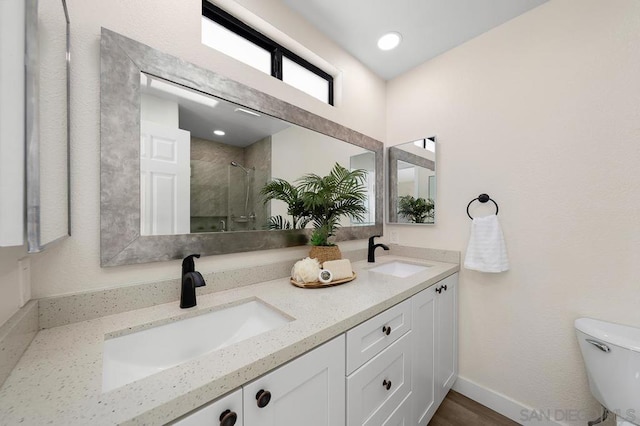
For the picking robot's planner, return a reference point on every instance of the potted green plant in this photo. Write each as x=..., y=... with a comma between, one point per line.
x=341, y=193
x=416, y=210
x=323, y=201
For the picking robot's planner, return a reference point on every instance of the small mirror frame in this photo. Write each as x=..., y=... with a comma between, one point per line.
x=396, y=154
x=122, y=60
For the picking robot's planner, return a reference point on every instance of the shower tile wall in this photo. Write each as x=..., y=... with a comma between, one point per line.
x=210, y=183
x=258, y=155
x=212, y=199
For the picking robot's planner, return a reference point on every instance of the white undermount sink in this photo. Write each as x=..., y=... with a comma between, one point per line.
x=140, y=354
x=399, y=269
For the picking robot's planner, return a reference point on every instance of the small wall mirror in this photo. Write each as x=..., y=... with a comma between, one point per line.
x=412, y=182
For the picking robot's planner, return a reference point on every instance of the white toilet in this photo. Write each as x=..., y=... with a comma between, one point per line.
x=611, y=354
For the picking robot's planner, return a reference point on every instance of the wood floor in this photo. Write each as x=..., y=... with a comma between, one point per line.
x=458, y=410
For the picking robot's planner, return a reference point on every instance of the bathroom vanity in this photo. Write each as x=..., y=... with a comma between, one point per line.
x=362, y=353
x=399, y=366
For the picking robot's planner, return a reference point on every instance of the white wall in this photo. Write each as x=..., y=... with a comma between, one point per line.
x=542, y=113
x=320, y=154
x=9, y=288
x=74, y=264
x=159, y=110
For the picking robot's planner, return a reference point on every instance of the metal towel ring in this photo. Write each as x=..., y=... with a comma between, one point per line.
x=483, y=198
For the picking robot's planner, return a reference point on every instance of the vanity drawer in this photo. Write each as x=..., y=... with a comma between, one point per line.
x=380, y=386
x=372, y=336
x=402, y=415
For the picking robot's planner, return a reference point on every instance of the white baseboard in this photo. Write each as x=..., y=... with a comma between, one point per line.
x=504, y=405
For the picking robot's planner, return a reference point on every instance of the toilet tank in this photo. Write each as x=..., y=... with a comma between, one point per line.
x=611, y=354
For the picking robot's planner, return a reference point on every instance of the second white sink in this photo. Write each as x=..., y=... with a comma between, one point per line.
x=140, y=354
x=399, y=269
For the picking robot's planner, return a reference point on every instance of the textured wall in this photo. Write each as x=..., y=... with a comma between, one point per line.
x=542, y=113
x=258, y=156
x=174, y=28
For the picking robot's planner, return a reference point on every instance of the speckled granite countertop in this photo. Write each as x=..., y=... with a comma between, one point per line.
x=59, y=378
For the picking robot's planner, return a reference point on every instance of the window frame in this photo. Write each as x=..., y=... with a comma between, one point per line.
x=277, y=51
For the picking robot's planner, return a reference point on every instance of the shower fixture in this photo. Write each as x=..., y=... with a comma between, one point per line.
x=246, y=216
x=235, y=164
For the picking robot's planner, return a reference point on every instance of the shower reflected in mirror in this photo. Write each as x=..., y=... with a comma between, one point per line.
x=243, y=217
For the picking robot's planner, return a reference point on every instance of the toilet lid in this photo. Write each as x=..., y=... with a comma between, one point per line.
x=616, y=334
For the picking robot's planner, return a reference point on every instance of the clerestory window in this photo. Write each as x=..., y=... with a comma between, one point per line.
x=229, y=35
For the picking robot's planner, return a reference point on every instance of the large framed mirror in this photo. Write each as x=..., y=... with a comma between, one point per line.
x=185, y=153
x=412, y=182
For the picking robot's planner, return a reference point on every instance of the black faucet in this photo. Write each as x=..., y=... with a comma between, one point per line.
x=190, y=280
x=371, y=257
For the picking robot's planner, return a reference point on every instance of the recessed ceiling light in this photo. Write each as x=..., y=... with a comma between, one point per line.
x=389, y=41
x=219, y=132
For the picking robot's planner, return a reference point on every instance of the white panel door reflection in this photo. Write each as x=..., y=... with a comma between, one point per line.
x=164, y=179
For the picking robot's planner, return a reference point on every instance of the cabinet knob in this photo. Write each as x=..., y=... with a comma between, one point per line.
x=228, y=418
x=386, y=329
x=445, y=287
x=386, y=384
x=439, y=290
x=263, y=397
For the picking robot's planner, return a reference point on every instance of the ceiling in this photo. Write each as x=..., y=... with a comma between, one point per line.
x=428, y=27
x=201, y=114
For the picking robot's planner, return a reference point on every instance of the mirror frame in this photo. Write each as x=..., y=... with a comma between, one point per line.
x=122, y=59
x=395, y=154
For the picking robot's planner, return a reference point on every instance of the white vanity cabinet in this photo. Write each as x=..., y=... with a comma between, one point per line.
x=399, y=366
x=308, y=391
x=435, y=347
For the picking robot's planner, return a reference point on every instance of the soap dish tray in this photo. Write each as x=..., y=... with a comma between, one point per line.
x=318, y=284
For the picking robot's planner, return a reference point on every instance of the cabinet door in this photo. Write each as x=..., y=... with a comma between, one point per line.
x=447, y=335
x=220, y=412
x=424, y=355
x=308, y=391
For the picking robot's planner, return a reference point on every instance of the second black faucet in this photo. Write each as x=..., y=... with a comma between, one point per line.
x=190, y=280
x=371, y=257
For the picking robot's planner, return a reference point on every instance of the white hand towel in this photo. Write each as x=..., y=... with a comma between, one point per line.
x=339, y=268
x=486, y=251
